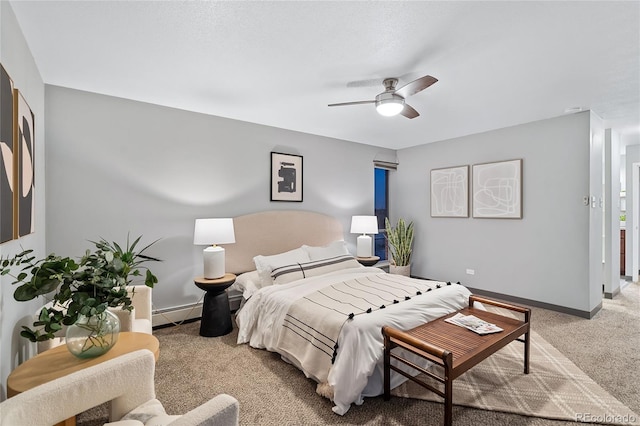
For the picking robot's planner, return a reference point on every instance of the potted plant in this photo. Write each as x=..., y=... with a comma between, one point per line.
x=82, y=291
x=400, y=239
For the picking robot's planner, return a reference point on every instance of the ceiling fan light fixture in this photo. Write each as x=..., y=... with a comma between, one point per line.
x=390, y=107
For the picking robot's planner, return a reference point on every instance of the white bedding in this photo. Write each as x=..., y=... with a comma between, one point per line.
x=357, y=371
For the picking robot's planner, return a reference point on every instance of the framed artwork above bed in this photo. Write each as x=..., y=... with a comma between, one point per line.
x=286, y=177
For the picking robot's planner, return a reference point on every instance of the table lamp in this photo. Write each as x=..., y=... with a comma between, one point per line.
x=211, y=232
x=364, y=225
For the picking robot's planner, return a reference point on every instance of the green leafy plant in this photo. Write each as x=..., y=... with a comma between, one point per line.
x=400, y=239
x=84, y=287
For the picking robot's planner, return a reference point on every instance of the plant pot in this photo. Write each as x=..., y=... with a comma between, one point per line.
x=400, y=270
x=93, y=336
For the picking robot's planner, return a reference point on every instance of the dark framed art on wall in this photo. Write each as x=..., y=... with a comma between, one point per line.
x=7, y=164
x=25, y=149
x=286, y=177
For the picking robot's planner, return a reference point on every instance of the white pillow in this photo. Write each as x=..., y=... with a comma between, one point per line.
x=288, y=273
x=265, y=264
x=336, y=248
x=247, y=283
x=146, y=411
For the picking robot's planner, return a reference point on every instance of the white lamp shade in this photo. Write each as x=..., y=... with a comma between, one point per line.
x=214, y=231
x=364, y=225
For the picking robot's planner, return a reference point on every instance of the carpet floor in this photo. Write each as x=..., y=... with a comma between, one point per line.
x=192, y=369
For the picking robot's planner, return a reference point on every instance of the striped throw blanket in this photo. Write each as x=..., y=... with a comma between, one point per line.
x=313, y=323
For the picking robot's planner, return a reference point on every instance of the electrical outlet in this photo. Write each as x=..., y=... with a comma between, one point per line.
x=471, y=272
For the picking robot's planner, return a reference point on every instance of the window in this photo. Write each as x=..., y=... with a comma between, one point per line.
x=381, y=203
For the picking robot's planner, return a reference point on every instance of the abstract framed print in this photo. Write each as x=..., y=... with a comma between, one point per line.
x=286, y=177
x=497, y=190
x=450, y=192
x=25, y=148
x=7, y=171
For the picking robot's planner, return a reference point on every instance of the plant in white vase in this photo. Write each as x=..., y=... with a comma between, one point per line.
x=400, y=239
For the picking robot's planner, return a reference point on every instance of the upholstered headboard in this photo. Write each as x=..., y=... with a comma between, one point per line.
x=273, y=232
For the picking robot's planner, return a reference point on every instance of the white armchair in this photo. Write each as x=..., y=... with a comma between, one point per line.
x=138, y=320
x=126, y=382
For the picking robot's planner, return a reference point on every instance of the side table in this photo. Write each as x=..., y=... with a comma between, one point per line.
x=368, y=261
x=58, y=361
x=216, y=316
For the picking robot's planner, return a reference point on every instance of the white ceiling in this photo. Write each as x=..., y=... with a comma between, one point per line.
x=280, y=63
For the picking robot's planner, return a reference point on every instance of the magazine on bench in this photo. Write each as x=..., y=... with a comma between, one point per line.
x=474, y=324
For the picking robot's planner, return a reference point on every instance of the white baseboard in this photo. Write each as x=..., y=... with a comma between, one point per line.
x=176, y=315
x=187, y=312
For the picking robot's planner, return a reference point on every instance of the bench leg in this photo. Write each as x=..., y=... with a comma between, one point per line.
x=448, y=402
x=527, y=341
x=387, y=368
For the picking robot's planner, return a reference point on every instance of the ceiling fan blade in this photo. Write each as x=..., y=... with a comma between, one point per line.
x=353, y=103
x=415, y=86
x=409, y=112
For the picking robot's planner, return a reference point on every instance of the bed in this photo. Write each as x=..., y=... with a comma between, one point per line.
x=308, y=299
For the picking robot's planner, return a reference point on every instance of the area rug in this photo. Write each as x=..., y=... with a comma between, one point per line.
x=555, y=388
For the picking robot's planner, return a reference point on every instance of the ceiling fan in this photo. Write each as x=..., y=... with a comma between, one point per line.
x=391, y=101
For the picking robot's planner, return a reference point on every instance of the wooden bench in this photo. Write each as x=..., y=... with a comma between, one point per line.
x=455, y=349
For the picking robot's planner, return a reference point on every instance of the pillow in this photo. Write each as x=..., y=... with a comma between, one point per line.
x=146, y=411
x=266, y=264
x=247, y=283
x=288, y=273
x=336, y=248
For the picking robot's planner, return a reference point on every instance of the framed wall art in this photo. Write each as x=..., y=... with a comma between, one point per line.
x=25, y=149
x=286, y=177
x=497, y=190
x=450, y=192
x=7, y=172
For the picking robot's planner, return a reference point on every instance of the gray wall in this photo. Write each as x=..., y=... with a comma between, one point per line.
x=542, y=257
x=117, y=166
x=17, y=60
x=611, y=273
x=632, y=159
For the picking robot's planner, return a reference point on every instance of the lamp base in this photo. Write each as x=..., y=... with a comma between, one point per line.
x=363, y=248
x=213, y=259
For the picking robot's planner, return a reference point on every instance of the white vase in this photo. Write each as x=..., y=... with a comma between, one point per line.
x=400, y=270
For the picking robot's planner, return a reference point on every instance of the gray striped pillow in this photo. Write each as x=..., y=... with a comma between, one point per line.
x=297, y=271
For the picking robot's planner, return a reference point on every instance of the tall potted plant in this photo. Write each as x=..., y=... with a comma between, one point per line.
x=400, y=239
x=81, y=292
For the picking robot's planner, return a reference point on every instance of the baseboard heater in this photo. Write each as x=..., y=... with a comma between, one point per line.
x=177, y=314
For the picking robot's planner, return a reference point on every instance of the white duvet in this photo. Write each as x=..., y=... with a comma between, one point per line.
x=358, y=370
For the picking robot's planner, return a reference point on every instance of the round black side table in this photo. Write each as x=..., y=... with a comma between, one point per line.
x=216, y=316
x=368, y=261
